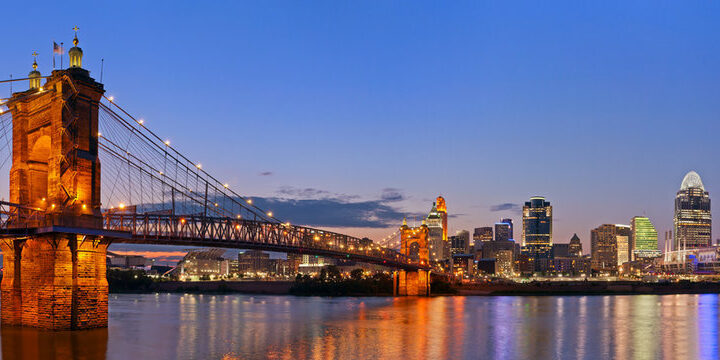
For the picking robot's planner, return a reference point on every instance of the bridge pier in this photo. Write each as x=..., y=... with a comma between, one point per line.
x=411, y=283
x=54, y=281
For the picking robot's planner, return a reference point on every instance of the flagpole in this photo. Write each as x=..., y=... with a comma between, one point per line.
x=54, y=54
x=62, y=50
x=102, y=66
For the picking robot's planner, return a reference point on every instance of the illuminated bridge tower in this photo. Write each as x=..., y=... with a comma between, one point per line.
x=414, y=244
x=54, y=269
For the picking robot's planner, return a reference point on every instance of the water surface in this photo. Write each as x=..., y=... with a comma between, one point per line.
x=172, y=326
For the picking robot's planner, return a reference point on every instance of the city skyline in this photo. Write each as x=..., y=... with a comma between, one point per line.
x=333, y=91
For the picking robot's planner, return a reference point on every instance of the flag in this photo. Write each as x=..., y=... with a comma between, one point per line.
x=57, y=50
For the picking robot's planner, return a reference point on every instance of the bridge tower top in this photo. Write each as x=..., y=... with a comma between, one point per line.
x=414, y=242
x=55, y=163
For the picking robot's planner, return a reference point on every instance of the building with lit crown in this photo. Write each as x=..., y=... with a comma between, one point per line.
x=537, y=232
x=692, y=220
x=436, y=222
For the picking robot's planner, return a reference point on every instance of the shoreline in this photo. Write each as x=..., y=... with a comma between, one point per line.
x=580, y=288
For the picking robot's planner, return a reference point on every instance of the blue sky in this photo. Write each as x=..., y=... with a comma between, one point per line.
x=601, y=107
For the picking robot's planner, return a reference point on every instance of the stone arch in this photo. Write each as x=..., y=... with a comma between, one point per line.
x=38, y=160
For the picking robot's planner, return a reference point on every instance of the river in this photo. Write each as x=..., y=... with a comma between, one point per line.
x=176, y=326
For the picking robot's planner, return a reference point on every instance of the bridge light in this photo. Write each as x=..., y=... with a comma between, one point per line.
x=237, y=227
x=249, y=201
x=216, y=204
x=269, y=213
x=199, y=166
x=110, y=98
x=141, y=121
x=226, y=185
x=239, y=216
x=316, y=238
x=121, y=206
x=167, y=142
x=182, y=220
x=99, y=134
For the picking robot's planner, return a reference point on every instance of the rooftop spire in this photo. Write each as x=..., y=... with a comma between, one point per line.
x=75, y=53
x=34, y=75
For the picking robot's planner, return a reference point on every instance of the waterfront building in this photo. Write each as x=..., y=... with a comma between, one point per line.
x=460, y=242
x=623, y=246
x=575, y=248
x=482, y=234
x=537, y=232
x=505, y=263
x=463, y=265
x=503, y=231
x=560, y=250
x=692, y=220
x=436, y=222
x=604, y=247
x=204, y=264
x=644, y=239
x=254, y=262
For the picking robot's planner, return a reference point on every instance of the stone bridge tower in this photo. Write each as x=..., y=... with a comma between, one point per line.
x=414, y=244
x=54, y=272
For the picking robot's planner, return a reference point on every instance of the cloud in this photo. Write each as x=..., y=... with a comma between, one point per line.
x=265, y=173
x=290, y=192
x=391, y=195
x=317, y=207
x=333, y=212
x=516, y=208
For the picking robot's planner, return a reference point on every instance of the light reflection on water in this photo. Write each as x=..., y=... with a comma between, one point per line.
x=169, y=326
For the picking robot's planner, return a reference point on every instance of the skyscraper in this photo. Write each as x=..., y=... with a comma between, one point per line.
x=609, y=246
x=437, y=225
x=460, y=243
x=510, y=223
x=575, y=248
x=537, y=232
x=644, y=240
x=482, y=234
x=503, y=231
x=693, y=222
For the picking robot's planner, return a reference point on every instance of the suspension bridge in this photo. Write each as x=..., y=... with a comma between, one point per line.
x=64, y=211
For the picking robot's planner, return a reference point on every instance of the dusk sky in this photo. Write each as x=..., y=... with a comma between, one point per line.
x=364, y=112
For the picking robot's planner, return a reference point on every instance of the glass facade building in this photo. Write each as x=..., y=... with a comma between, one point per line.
x=692, y=219
x=537, y=232
x=644, y=238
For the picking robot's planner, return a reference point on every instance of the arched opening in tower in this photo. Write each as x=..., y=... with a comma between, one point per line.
x=38, y=170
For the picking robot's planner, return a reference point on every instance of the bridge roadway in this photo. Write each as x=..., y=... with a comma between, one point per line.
x=202, y=231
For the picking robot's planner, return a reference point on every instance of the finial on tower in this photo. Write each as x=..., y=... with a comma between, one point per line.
x=75, y=53
x=405, y=221
x=75, y=40
x=34, y=75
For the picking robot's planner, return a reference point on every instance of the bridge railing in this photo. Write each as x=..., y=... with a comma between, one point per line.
x=16, y=216
x=207, y=231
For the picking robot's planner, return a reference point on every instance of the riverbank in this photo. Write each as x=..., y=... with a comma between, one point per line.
x=551, y=288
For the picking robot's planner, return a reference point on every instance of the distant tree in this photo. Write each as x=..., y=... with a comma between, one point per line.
x=356, y=274
x=333, y=273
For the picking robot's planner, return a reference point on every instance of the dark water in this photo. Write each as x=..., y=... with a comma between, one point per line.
x=167, y=326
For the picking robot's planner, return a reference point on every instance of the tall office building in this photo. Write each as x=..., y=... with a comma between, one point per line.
x=693, y=222
x=460, y=243
x=510, y=223
x=537, y=232
x=609, y=246
x=644, y=240
x=482, y=234
x=503, y=231
x=575, y=248
x=436, y=222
